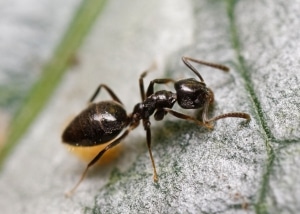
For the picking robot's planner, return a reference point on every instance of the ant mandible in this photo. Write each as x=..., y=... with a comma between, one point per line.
x=102, y=122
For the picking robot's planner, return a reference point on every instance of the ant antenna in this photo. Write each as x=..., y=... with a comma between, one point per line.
x=213, y=65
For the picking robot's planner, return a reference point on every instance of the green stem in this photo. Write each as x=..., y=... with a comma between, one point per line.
x=261, y=203
x=53, y=71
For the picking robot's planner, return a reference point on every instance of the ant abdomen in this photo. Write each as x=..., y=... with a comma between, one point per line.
x=99, y=123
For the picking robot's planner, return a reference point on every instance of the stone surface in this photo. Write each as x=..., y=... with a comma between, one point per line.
x=30, y=30
x=270, y=51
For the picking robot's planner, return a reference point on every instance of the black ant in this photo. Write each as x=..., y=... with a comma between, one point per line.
x=102, y=122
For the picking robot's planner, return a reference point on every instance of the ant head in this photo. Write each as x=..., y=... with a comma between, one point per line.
x=191, y=94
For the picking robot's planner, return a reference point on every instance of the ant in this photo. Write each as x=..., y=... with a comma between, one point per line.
x=102, y=122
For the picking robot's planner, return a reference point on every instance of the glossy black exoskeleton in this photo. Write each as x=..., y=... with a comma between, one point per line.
x=104, y=122
x=97, y=124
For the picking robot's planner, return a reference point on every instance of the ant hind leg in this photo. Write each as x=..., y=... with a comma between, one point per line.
x=97, y=157
x=108, y=89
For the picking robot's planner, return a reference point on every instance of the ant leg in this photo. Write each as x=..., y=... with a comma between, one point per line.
x=141, y=81
x=141, y=84
x=111, y=93
x=148, y=133
x=213, y=65
x=186, y=117
x=98, y=156
x=207, y=122
x=150, y=89
x=231, y=114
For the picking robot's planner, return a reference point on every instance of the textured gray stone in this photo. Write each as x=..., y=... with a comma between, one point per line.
x=30, y=31
x=271, y=58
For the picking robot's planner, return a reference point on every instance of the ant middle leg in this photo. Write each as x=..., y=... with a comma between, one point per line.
x=111, y=93
x=147, y=125
x=141, y=84
x=150, y=89
x=141, y=80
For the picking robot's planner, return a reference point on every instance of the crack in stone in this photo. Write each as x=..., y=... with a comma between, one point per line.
x=260, y=204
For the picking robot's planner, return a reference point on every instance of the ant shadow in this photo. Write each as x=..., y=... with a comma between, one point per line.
x=168, y=132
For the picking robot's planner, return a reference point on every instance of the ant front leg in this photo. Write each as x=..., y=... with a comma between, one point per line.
x=208, y=122
x=186, y=117
x=111, y=93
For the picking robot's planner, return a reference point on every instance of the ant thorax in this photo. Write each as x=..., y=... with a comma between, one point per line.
x=157, y=101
